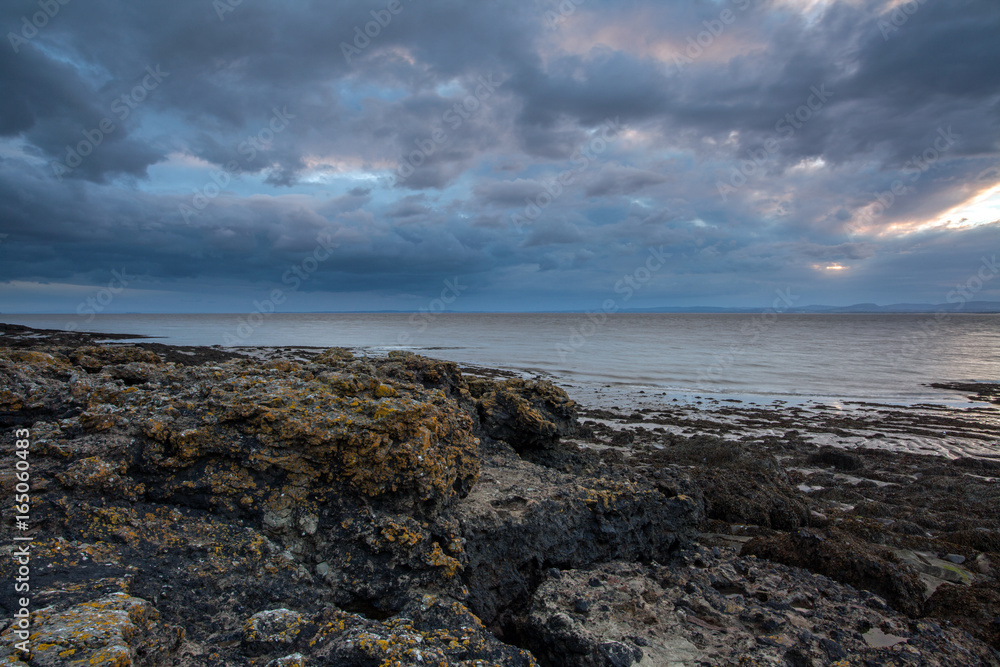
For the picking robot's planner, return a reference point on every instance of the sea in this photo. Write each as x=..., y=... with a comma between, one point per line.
x=755, y=358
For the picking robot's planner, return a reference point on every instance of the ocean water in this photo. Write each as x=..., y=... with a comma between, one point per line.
x=758, y=358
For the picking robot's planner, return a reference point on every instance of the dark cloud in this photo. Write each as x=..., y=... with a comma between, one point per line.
x=507, y=193
x=219, y=148
x=618, y=180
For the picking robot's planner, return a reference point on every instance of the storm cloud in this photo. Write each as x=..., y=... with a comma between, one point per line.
x=538, y=149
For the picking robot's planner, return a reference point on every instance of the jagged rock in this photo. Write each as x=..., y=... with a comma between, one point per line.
x=94, y=357
x=975, y=608
x=526, y=414
x=713, y=607
x=275, y=626
x=117, y=630
x=739, y=487
x=522, y=519
x=847, y=560
x=242, y=485
x=429, y=631
x=376, y=509
x=838, y=458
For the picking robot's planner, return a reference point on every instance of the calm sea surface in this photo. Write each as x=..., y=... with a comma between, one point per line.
x=796, y=358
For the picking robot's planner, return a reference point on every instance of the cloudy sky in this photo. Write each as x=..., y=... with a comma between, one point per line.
x=198, y=155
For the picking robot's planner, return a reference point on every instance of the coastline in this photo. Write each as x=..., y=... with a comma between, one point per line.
x=650, y=534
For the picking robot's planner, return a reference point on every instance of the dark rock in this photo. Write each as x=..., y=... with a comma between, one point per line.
x=195, y=507
x=738, y=487
x=973, y=608
x=618, y=654
x=845, y=559
x=978, y=464
x=529, y=518
x=677, y=616
x=526, y=414
x=838, y=458
x=833, y=650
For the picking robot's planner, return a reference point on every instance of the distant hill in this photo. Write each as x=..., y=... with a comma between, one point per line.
x=968, y=307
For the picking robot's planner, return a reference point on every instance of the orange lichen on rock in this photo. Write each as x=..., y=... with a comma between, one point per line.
x=109, y=632
x=96, y=473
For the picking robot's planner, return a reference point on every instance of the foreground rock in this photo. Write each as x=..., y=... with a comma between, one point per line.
x=192, y=507
x=920, y=531
x=711, y=607
x=522, y=520
x=378, y=502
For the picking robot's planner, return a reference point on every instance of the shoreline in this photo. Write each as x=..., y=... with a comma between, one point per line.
x=713, y=532
x=762, y=371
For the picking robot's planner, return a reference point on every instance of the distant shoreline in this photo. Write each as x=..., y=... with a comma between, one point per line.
x=970, y=308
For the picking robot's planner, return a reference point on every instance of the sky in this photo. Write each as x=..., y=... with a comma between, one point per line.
x=231, y=155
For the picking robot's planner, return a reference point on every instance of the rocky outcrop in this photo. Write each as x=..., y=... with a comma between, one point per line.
x=522, y=520
x=845, y=559
x=299, y=509
x=113, y=630
x=194, y=507
x=709, y=606
x=740, y=487
x=527, y=414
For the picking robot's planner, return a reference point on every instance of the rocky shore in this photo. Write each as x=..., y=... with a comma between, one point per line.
x=288, y=507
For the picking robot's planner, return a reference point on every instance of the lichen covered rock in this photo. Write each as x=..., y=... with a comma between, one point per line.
x=295, y=508
x=247, y=500
x=429, y=631
x=115, y=631
x=524, y=413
